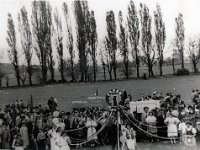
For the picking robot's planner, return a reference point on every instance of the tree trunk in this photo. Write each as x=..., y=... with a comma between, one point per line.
x=81, y=68
x=29, y=70
x=23, y=83
x=72, y=71
x=126, y=70
x=151, y=70
x=7, y=83
x=173, y=65
x=94, y=69
x=30, y=80
x=0, y=82
x=138, y=66
x=52, y=74
x=160, y=66
x=17, y=75
x=44, y=74
x=195, y=67
x=104, y=72
x=18, y=81
x=110, y=73
x=62, y=69
x=85, y=69
x=182, y=61
x=115, y=70
x=51, y=68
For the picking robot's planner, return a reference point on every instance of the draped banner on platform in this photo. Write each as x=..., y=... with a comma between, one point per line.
x=139, y=105
x=92, y=101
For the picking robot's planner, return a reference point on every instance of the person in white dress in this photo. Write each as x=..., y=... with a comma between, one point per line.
x=172, y=130
x=151, y=126
x=182, y=129
x=63, y=141
x=24, y=134
x=190, y=134
x=91, y=125
x=53, y=134
x=130, y=142
x=123, y=139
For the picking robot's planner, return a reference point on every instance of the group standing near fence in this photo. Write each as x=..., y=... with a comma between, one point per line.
x=24, y=126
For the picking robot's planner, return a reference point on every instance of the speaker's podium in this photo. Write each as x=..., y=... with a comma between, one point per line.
x=113, y=98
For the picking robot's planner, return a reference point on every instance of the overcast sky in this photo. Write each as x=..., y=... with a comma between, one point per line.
x=170, y=9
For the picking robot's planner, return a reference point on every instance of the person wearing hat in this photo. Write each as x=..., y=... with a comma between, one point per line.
x=172, y=130
x=190, y=134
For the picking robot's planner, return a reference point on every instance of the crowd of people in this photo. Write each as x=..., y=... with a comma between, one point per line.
x=24, y=126
x=174, y=120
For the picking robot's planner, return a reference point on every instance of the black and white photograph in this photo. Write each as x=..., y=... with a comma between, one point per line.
x=99, y=74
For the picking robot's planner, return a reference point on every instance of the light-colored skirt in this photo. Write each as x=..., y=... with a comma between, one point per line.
x=65, y=147
x=19, y=148
x=172, y=130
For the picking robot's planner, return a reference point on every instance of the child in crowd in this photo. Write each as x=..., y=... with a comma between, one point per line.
x=63, y=141
x=18, y=143
x=182, y=129
x=130, y=142
x=190, y=134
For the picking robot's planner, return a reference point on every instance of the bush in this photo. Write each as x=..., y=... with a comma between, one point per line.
x=62, y=81
x=51, y=81
x=180, y=72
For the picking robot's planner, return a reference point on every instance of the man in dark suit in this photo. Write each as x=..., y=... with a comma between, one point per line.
x=162, y=128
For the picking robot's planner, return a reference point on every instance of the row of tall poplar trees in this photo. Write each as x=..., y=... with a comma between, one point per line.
x=135, y=33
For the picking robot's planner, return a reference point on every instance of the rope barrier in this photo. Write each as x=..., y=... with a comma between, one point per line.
x=72, y=130
x=76, y=139
x=95, y=134
x=140, y=122
x=164, y=131
x=160, y=137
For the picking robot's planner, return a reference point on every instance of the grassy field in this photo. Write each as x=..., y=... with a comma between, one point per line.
x=120, y=75
x=66, y=93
